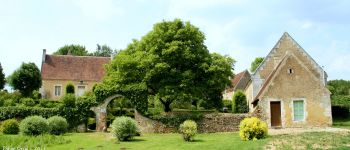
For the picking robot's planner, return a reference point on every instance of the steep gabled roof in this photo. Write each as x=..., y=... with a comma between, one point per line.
x=75, y=68
x=286, y=35
x=239, y=81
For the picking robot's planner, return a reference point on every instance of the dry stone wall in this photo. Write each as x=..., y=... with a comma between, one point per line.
x=213, y=122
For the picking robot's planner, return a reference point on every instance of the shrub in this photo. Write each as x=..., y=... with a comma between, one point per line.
x=34, y=125
x=188, y=129
x=227, y=104
x=10, y=126
x=252, y=129
x=69, y=100
x=239, y=102
x=124, y=128
x=69, y=88
x=28, y=102
x=22, y=112
x=58, y=125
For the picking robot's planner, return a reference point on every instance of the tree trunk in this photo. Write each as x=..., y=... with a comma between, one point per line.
x=166, y=105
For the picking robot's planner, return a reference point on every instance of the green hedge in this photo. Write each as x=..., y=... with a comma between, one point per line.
x=22, y=112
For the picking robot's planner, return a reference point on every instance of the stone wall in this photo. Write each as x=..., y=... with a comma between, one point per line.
x=213, y=122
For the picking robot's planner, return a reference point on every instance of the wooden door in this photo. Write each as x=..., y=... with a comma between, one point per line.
x=275, y=114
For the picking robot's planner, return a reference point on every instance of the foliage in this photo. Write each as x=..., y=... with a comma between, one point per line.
x=239, y=102
x=2, y=78
x=45, y=103
x=255, y=64
x=68, y=100
x=58, y=125
x=10, y=126
x=83, y=105
x=70, y=88
x=76, y=50
x=341, y=100
x=170, y=62
x=28, y=102
x=36, y=95
x=339, y=87
x=22, y=112
x=34, y=125
x=26, y=79
x=14, y=96
x=188, y=129
x=124, y=128
x=227, y=104
x=31, y=142
x=104, y=51
x=252, y=129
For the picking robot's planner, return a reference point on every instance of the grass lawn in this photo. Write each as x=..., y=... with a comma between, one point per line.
x=219, y=141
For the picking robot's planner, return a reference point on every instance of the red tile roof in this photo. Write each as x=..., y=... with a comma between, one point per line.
x=235, y=80
x=76, y=68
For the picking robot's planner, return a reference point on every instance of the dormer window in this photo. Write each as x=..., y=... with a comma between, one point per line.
x=290, y=71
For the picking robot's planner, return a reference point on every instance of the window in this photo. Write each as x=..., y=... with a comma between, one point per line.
x=298, y=107
x=290, y=71
x=81, y=90
x=57, y=90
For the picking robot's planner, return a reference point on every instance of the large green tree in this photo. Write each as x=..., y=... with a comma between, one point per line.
x=2, y=78
x=170, y=62
x=255, y=64
x=26, y=79
x=76, y=50
x=340, y=92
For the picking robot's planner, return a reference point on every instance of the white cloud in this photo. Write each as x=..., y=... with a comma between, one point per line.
x=99, y=9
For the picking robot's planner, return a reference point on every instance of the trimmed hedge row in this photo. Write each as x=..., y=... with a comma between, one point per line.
x=22, y=112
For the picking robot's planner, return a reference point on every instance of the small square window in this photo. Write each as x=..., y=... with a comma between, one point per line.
x=57, y=90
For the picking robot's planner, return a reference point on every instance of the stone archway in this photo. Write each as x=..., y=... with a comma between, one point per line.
x=101, y=113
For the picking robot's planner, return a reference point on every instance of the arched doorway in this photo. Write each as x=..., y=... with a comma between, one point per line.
x=101, y=113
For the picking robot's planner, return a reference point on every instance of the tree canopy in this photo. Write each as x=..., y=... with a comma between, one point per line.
x=76, y=50
x=340, y=92
x=2, y=78
x=255, y=64
x=26, y=79
x=170, y=62
x=104, y=51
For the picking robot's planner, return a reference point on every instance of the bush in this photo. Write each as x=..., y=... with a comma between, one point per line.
x=22, y=112
x=69, y=100
x=69, y=88
x=28, y=102
x=34, y=125
x=227, y=104
x=10, y=126
x=188, y=129
x=239, y=102
x=58, y=125
x=124, y=128
x=252, y=129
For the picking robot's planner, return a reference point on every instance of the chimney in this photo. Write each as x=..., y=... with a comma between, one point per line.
x=44, y=56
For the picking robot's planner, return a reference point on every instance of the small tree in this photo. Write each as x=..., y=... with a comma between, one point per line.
x=70, y=88
x=76, y=50
x=2, y=78
x=26, y=79
x=239, y=102
x=255, y=64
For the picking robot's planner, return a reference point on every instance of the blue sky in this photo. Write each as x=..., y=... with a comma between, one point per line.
x=243, y=29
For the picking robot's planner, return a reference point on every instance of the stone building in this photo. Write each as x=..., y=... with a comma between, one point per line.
x=288, y=89
x=59, y=70
x=239, y=82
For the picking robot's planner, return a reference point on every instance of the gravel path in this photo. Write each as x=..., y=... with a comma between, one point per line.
x=302, y=130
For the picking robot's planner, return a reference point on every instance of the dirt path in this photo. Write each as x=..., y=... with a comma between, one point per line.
x=302, y=130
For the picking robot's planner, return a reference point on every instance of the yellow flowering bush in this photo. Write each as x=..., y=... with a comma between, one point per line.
x=252, y=129
x=188, y=129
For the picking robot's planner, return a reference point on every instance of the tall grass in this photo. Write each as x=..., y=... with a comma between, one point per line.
x=30, y=142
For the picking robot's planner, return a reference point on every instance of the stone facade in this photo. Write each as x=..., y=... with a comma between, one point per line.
x=286, y=76
x=213, y=122
x=48, y=87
